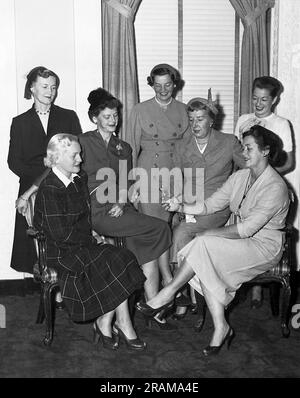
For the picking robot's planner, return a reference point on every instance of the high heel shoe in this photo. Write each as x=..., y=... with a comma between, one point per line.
x=149, y=311
x=214, y=350
x=107, y=342
x=132, y=344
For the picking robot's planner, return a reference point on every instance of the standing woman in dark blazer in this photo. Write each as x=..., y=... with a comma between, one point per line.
x=29, y=136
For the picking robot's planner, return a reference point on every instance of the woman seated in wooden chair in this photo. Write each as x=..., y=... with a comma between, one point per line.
x=95, y=280
x=219, y=260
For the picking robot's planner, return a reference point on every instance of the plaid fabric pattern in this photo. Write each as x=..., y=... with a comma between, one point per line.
x=93, y=279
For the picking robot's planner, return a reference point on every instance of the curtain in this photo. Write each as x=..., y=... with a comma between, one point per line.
x=119, y=53
x=255, y=57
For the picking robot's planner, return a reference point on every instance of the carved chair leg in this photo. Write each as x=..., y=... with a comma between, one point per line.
x=274, y=290
x=285, y=306
x=49, y=311
x=41, y=313
x=131, y=302
x=201, y=312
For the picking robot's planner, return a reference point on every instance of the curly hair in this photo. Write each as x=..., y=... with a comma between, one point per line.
x=57, y=144
x=269, y=83
x=100, y=99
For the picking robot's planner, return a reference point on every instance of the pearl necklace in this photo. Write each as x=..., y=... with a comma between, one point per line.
x=42, y=113
x=161, y=104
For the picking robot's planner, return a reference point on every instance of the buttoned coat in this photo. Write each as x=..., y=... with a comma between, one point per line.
x=27, y=149
x=152, y=134
x=222, y=154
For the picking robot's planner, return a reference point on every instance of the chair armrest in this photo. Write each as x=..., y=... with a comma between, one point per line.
x=40, y=238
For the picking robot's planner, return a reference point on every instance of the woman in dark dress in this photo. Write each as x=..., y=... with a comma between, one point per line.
x=29, y=135
x=147, y=237
x=95, y=280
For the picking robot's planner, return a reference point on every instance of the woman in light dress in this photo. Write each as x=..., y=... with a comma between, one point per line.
x=218, y=261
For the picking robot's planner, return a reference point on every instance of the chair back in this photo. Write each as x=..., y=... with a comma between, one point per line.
x=38, y=238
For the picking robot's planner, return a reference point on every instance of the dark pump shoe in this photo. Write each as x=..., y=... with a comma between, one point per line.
x=214, y=350
x=108, y=342
x=149, y=311
x=132, y=344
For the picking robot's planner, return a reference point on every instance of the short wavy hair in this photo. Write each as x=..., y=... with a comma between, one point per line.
x=274, y=86
x=57, y=144
x=34, y=74
x=161, y=70
x=266, y=139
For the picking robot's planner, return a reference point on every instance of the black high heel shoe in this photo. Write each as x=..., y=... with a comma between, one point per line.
x=214, y=350
x=107, y=342
x=149, y=311
x=132, y=344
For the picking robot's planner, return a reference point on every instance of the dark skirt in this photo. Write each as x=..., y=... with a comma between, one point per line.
x=108, y=276
x=24, y=254
x=147, y=237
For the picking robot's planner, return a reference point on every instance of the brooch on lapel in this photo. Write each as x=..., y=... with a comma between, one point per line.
x=119, y=148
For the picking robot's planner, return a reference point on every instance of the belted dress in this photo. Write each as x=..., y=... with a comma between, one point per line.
x=147, y=237
x=152, y=133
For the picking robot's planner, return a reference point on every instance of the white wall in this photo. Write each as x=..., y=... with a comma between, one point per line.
x=286, y=66
x=9, y=107
x=64, y=36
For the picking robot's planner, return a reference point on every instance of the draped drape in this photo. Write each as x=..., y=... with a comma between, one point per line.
x=255, y=57
x=119, y=53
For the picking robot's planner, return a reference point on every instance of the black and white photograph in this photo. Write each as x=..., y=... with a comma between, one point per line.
x=150, y=192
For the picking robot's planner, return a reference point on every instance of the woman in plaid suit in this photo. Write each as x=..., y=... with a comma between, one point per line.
x=95, y=280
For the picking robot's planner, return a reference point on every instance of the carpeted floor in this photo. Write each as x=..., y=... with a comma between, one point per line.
x=258, y=350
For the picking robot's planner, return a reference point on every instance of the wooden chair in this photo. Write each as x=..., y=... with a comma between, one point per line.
x=47, y=276
x=280, y=275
